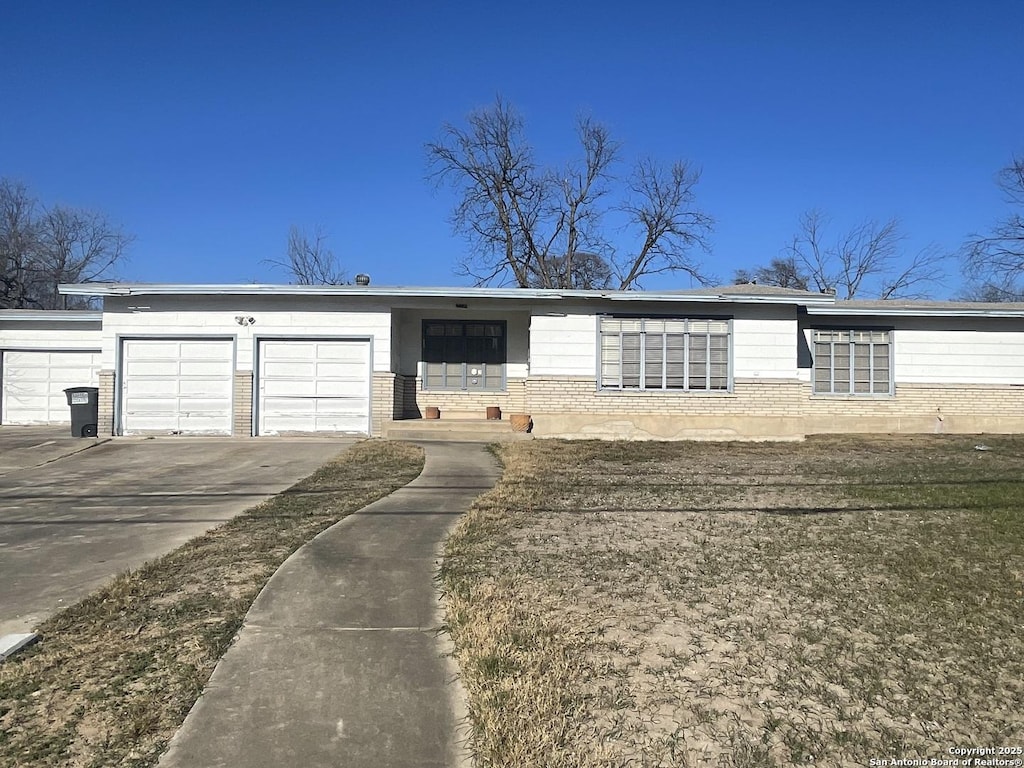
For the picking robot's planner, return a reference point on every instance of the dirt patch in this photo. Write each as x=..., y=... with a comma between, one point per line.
x=695, y=604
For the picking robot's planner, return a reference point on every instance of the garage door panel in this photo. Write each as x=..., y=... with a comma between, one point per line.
x=273, y=351
x=154, y=368
x=351, y=353
x=177, y=386
x=314, y=386
x=288, y=388
x=33, y=383
x=355, y=390
x=341, y=370
x=197, y=388
x=197, y=350
x=152, y=349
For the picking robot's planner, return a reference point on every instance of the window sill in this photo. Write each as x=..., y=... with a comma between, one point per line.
x=666, y=392
x=849, y=396
x=454, y=391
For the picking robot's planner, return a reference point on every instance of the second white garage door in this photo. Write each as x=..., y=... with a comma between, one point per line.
x=316, y=385
x=176, y=386
x=34, y=383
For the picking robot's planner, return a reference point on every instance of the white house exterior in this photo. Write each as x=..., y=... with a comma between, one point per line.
x=740, y=362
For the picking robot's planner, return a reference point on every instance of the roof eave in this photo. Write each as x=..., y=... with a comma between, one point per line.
x=49, y=315
x=126, y=289
x=840, y=310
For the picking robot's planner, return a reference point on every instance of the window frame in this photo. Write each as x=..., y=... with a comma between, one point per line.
x=852, y=343
x=685, y=363
x=463, y=374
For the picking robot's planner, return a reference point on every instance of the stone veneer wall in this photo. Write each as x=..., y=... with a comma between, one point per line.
x=241, y=422
x=105, y=416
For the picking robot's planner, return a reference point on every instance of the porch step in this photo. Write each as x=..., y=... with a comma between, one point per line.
x=453, y=430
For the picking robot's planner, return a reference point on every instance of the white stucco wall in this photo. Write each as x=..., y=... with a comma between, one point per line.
x=764, y=348
x=764, y=344
x=40, y=337
x=563, y=345
x=958, y=357
x=172, y=316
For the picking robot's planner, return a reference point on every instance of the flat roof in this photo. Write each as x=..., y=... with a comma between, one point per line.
x=817, y=304
x=729, y=294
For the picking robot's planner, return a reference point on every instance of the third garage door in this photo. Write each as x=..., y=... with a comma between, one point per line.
x=315, y=385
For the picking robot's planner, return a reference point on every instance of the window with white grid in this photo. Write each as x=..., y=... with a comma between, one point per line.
x=852, y=362
x=669, y=354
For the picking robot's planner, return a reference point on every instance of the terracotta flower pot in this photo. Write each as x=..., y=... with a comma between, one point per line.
x=493, y=413
x=521, y=422
x=432, y=412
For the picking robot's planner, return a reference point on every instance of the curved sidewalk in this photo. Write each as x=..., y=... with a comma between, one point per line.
x=339, y=662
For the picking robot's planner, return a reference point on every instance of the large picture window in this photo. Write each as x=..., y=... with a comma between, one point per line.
x=852, y=362
x=665, y=354
x=466, y=355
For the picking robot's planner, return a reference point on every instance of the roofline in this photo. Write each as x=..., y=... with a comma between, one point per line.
x=71, y=316
x=549, y=294
x=840, y=310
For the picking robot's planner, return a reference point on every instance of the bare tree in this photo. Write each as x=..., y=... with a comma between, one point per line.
x=43, y=247
x=541, y=228
x=309, y=260
x=863, y=260
x=994, y=263
x=18, y=240
x=783, y=272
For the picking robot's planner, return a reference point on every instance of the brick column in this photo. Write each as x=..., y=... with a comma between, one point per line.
x=105, y=418
x=382, y=402
x=241, y=422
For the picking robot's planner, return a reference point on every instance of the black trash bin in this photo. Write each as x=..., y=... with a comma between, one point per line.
x=84, y=402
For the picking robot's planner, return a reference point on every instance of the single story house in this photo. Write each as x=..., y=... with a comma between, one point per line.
x=737, y=362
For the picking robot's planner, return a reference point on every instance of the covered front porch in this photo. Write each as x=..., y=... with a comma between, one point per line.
x=460, y=361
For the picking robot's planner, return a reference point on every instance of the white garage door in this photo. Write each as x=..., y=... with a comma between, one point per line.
x=34, y=384
x=176, y=386
x=314, y=386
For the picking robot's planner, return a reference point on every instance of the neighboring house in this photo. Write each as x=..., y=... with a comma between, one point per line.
x=739, y=362
x=41, y=354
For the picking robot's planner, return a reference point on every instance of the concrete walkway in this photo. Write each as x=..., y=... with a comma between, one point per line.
x=339, y=662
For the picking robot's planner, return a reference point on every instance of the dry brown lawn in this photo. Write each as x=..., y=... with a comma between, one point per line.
x=743, y=604
x=114, y=676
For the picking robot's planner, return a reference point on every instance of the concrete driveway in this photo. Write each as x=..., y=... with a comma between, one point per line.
x=76, y=511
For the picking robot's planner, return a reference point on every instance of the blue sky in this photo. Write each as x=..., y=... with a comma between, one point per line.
x=207, y=129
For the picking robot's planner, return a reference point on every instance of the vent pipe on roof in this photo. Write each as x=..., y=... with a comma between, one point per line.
x=362, y=279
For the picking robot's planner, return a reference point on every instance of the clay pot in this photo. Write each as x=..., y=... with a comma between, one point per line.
x=432, y=412
x=521, y=422
x=493, y=413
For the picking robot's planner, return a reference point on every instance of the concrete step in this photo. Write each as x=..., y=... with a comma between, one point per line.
x=453, y=430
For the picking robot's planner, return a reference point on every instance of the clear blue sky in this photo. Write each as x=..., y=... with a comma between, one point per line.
x=206, y=129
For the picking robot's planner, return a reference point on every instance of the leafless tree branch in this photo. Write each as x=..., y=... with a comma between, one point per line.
x=865, y=259
x=994, y=262
x=43, y=247
x=541, y=228
x=308, y=259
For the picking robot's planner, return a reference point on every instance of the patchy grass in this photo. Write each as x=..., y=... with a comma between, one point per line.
x=687, y=604
x=115, y=675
